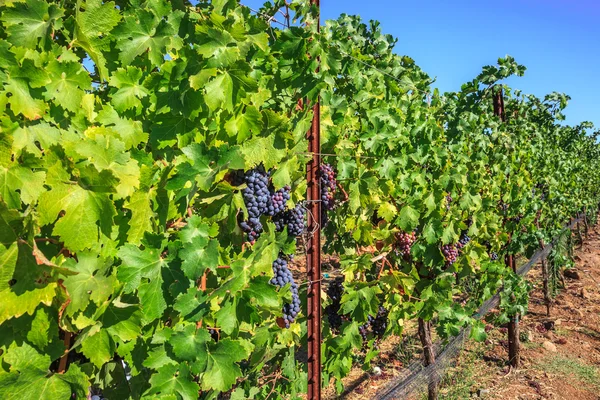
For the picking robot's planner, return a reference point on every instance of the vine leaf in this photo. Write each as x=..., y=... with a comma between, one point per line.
x=141, y=270
x=29, y=377
x=174, y=379
x=94, y=22
x=222, y=370
x=82, y=208
x=15, y=305
x=90, y=282
x=99, y=348
x=27, y=23
x=146, y=32
x=198, y=256
x=21, y=101
x=130, y=91
x=408, y=219
x=68, y=82
x=17, y=179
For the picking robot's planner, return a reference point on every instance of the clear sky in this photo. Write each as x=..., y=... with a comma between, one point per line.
x=557, y=40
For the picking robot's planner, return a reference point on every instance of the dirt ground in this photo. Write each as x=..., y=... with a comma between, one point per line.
x=560, y=353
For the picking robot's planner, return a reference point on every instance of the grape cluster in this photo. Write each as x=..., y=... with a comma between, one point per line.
x=335, y=292
x=463, y=241
x=450, y=252
x=328, y=190
x=448, y=201
x=282, y=277
x=377, y=324
x=380, y=322
x=279, y=200
x=404, y=242
x=261, y=199
x=364, y=329
x=493, y=256
x=214, y=334
x=328, y=186
x=293, y=219
x=257, y=199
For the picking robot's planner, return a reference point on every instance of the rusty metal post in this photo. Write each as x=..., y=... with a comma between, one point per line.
x=313, y=256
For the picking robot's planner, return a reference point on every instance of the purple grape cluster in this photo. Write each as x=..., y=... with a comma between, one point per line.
x=364, y=329
x=335, y=290
x=293, y=219
x=404, y=242
x=450, y=252
x=214, y=334
x=261, y=199
x=328, y=186
x=380, y=322
x=283, y=276
x=448, y=201
x=463, y=241
x=257, y=199
x=493, y=256
x=279, y=200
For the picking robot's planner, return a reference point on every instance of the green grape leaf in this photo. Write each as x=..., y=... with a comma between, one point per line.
x=29, y=185
x=146, y=33
x=30, y=22
x=82, y=208
x=91, y=282
x=94, y=22
x=408, y=219
x=222, y=370
x=69, y=80
x=99, y=347
x=130, y=91
x=199, y=255
x=174, y=379
x=15, y=305
x=21, y=101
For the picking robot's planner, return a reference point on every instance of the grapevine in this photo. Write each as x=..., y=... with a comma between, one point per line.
x=140, y=138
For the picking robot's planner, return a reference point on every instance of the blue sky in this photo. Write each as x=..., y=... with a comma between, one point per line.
x=557, y=40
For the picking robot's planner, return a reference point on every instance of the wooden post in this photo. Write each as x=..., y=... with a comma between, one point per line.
x=546, y=281
x=513, y=325
x=429, y=355
x=514, y=346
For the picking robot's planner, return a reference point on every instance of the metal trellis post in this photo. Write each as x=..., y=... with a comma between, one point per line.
x=313, y=256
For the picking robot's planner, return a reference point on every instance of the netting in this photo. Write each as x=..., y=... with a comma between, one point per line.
x=417, y=376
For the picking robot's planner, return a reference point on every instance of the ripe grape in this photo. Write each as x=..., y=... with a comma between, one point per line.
x=404, y=242
x=380, y=322
x=335, y=292
x=448, y=201
x=463, y=241
x=450, y=253
x=328, y=186
x=328, y=190
x=283, y=276
x=214, y=334
x=279, y=200
x=257, y=199
x=293, y=219
x=364, y=329
x=493, y=256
